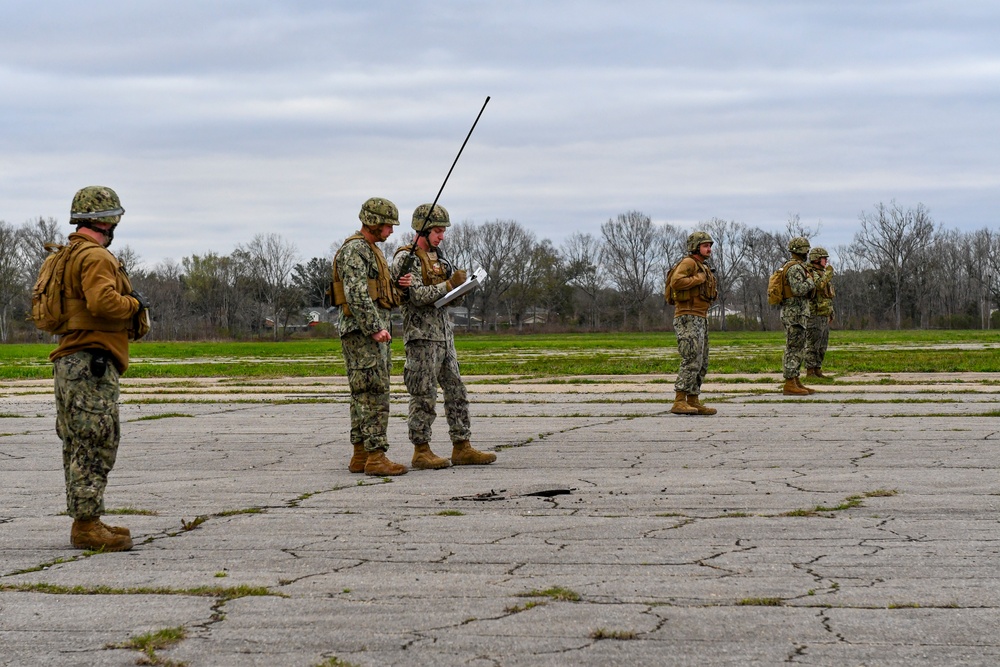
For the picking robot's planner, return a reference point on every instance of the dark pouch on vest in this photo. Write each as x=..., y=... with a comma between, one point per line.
x=98, y=363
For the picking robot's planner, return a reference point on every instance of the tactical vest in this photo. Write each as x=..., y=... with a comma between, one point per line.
x=707, y=290
x=432, y=272
x=381, y=290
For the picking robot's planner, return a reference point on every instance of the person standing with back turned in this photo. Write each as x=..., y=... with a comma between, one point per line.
x=104, y=313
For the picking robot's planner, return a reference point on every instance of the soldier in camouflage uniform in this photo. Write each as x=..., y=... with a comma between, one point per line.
x=820, y=312
x=692, y=288
x=430, y=344
x=365, y=293
x=798, y=288
x=103, y=315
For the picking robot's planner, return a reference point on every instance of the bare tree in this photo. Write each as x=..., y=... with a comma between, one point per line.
x=632, y=259
x=269, y=259
x=500, y=246
x=890, y=239
x=729, y=255
x=582, y=257
x=12, y=284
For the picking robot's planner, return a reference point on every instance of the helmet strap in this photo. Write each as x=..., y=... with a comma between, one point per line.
x=109, y=233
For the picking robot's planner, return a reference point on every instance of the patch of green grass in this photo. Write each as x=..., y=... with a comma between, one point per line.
x=451, y=513
x=165, y=415
x=555, y=593
x=246, y=510
x=548, y=355
x=761, y=602
x=10, y=415
x=903, y=605
x=151, y=642
x=881, y=493
x=220, y=592
x=517, y=608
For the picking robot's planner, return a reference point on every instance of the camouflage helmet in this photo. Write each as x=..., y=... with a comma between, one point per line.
x=818, y=253
x=696, y=239
x=424, y=218
x=95, y=203
x=799, y=245
x=378, y=211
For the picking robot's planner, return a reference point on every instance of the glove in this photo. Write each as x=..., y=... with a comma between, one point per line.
x=457, y=278
x=829, y=269
x=143, y=301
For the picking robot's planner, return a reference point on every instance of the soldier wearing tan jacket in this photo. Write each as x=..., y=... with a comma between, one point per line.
x=104, y=314
x=692, y=289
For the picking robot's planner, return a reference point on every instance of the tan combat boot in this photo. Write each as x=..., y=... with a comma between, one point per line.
x=699, y=406
x=464, y=454
x=681, y=405
x=798, y=381
x=117, y=530
x=791, y=388
x=812, y=373
x=379, y=465
x=425, y=459
x=94, y=535
x=359, y=459
x=820, y=375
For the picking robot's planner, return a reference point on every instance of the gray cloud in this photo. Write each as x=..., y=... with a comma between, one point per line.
x=216, y=121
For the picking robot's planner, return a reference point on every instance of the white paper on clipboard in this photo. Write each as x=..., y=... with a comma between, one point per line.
x=478, y=276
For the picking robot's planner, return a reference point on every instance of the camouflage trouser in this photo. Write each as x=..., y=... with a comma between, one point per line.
x=368, y=364
x=817, y=339
x=87, y=423
x=692, y=344
x=428, y=364
x=795, y=350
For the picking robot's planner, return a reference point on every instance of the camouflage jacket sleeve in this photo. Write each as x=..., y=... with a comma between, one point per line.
x=356, y=264
x=800, y=281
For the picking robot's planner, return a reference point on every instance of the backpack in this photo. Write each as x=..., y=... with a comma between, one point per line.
x=669, y=294
x=778, y=288
x=48, y=308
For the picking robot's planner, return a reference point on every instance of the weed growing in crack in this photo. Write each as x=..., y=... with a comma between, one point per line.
x=246, y=510
x=193, y=523
x=517, y=608
x=761, y=602
x=451, y=513
x=132, y=510
x=903, y=605
x=150, y=642
x=556, y=593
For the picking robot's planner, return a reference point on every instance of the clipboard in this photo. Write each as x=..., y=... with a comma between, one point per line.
x=478, y=276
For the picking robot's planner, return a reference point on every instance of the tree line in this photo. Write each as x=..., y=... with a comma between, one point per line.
x=901, y=270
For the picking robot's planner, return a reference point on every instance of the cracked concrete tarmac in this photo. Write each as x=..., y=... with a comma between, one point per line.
x=809, y=531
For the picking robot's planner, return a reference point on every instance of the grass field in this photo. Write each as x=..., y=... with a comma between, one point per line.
x=551, y=355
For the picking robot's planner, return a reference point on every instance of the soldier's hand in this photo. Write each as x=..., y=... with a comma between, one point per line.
x=457, y=278
x=382, y=336
x=829, y=269
x=406, y=281
x=143, y=301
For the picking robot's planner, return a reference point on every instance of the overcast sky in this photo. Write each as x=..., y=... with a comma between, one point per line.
x=219, y=120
